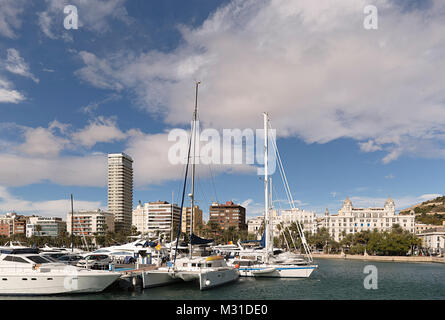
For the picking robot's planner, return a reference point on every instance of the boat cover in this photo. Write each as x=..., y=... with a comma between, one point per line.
x=197, y=240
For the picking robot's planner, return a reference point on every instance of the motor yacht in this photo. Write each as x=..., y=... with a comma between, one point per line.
x=24, y=271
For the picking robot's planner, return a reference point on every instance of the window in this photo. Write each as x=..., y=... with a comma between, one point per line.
x=15, y=259
x=37, y=259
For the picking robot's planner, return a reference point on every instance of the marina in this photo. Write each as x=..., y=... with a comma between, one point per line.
x=334, y=280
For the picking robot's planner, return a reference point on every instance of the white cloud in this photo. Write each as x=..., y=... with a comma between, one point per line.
x=152, y=165
x=311, y=64
x=99, y=130
x=51, y=208
x=86, y=170
x=8, y=94
x=41, y=142
x=16, y=64
x=10, y=20
x=94, y=15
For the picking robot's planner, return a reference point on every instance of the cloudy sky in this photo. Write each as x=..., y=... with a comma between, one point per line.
x=358, y=112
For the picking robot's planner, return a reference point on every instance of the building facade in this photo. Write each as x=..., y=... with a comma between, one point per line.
x=433, y=240
x=120, y=190
x=254, y=226
x=12, y=224
x=284, y=219
x=353, y=220
x=45, y=227
x=90, y=222
x=156, y=218
x=7, y=225
x=186, y=218
x=228, y=215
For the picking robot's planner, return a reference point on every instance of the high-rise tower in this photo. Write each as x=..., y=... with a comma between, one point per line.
x=120, y=190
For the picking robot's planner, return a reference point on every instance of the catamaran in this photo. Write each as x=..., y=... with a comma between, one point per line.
x=264, y=263
x=209, y=271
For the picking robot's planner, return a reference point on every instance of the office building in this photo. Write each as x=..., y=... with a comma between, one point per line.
x=44, y=227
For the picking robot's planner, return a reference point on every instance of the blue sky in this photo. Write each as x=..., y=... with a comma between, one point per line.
x=358, y=113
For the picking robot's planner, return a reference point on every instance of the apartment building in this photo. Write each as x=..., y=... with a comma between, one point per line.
x=228, y=215
x=90, y=222
x=156, y=218
x=120, y=190
x=186, y=219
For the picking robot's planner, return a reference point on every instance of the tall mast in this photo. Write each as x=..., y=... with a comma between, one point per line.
x=72, y=224
x=192, y=194
x=266, y=186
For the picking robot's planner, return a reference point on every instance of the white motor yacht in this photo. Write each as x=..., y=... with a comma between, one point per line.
x=25, y=272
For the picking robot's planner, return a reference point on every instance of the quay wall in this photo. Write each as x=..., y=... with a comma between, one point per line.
x=379, y=258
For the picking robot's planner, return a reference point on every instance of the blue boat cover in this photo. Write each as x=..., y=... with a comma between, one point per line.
x=197, y=240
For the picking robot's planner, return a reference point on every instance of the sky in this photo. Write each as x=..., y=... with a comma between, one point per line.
x=358, y=112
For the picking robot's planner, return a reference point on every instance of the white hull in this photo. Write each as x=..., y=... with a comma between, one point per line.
x=213, y=279
x=206, y=278
x=157, y=278
x=277, y=271
x=52, y=284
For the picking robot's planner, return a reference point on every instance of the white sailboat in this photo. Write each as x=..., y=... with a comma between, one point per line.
x=265, y=264
x=208, y=271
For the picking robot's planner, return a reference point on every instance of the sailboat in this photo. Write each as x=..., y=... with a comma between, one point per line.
x=265, y=263
x=209, y=271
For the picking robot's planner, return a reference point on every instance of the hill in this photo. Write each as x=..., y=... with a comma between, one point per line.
x=428, y=212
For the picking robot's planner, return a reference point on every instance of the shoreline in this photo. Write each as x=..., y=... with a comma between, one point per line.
x=378, y=258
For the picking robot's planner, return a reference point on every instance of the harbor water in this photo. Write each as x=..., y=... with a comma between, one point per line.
x=335, y=279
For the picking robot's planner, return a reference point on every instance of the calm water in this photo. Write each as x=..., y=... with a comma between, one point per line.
x=335, y=279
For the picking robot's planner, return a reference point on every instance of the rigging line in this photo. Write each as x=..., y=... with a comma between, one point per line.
x=183, y=196
x=213, y=182
x=290, y=198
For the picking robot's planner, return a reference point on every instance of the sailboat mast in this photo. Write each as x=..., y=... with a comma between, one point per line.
x=266, y=186
x=192, y=194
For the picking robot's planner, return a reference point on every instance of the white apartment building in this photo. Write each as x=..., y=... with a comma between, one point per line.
x=353, y=220
x=90, y=222
x=307, y=220
x=434, y=240
x=120, y=190
x=254, y=226
x=153, y=218
x=44, y=227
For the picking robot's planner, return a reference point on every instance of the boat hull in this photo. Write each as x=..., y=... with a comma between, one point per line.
x=157, y=278
x=277, y=271
x=50, y=284
x=213, y=279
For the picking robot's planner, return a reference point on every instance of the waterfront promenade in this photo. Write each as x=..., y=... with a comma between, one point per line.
x=379, y=258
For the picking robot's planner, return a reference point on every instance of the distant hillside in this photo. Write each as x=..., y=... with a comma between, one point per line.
x=429, y=212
